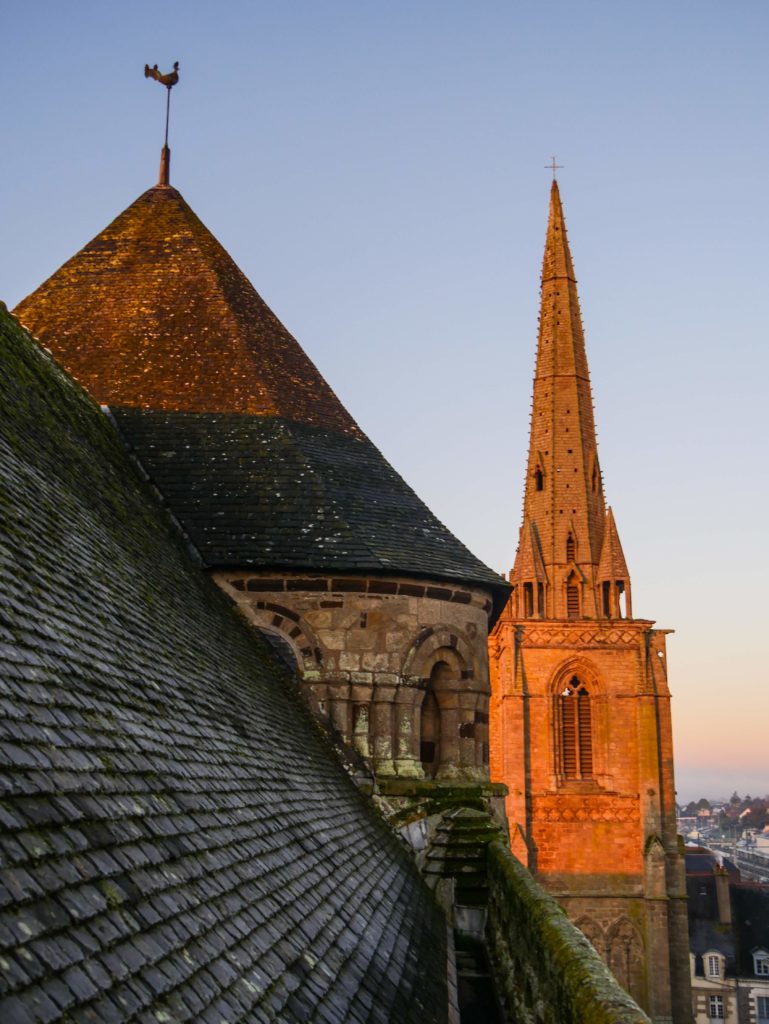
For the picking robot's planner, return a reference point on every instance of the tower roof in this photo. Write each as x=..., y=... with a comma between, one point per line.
x=257, y=458
x=153, y=313
x=564, y=497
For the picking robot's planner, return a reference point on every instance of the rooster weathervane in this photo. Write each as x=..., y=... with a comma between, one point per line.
x=169, y=81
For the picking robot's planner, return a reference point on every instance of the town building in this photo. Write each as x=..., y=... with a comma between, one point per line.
x=728, y=941
x=580, y=713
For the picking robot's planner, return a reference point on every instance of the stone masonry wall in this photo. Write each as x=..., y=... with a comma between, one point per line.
x=547, y=971
x=399, y=665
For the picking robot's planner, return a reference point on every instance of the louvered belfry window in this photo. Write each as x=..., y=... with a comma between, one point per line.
x=576, y=731
x=572, y=601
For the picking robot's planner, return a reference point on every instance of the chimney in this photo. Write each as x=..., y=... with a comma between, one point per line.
x=722, y=895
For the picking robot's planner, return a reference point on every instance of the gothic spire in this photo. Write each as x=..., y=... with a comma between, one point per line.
x=564, y=498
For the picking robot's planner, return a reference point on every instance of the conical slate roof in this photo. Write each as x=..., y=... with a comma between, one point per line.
x=255, y=455
x=154, y=314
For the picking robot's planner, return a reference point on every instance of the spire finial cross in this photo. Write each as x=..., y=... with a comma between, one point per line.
x=553, y=166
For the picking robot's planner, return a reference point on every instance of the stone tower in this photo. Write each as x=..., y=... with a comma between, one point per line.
x=580, y=711
x=300, y=520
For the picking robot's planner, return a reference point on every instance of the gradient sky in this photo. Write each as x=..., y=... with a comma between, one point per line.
x=377, y=170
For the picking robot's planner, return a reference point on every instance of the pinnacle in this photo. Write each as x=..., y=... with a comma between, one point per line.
x=612, y=565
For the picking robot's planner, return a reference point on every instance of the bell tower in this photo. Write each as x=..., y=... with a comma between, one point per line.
x=580, y=711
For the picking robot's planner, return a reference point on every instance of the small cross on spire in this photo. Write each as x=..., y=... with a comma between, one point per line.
x=553, y=166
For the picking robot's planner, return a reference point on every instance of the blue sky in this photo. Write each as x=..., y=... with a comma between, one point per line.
x=377, y=170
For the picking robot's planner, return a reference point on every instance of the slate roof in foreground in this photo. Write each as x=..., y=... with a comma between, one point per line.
x=253, y=451
x=177, y=842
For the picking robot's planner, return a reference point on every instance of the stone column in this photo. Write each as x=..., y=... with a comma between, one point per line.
x=382, y=730
x=466, y=730
x=339, y=710
x=360, y=729
x=482, y=733
x=407, y=726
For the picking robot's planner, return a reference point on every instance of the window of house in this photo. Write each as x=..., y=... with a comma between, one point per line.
x=572, y=599
x=528, y=600
x=541, y=600
x=539, y=479
x=761, y=962
x=576, y=731
x=716, y=1008
x=762, y=1007
x=714, y=966
x=571, y=549
x=606, y=591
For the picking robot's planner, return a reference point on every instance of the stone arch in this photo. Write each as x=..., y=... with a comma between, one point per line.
x=594, y=934
x=440, y=669
x=292, y=630
x=626, y=956
x=419, y=658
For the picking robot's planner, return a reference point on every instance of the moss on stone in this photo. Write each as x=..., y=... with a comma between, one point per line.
x=547, y=969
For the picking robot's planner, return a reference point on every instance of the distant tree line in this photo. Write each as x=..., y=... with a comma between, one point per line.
x=738, y=814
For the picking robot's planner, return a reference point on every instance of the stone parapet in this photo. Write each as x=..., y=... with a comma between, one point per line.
x=546, y=969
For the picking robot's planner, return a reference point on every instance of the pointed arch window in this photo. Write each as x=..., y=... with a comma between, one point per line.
x=539, y=479
x=571, y=548
x=575, y=727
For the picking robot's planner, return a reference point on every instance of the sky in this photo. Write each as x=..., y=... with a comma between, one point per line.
x=378, y=171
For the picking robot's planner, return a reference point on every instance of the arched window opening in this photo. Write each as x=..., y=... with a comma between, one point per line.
x=594, y=478
x=541, y=600
x=572, y=597
x=621, y=605
x=606, y=594
x=430, y=736
x=539, y=479
x=528, y=600
x=576, y=731
x=571, y=548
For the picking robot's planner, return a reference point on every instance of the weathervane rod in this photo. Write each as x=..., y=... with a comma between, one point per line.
x=169, y=81
x=168, y=112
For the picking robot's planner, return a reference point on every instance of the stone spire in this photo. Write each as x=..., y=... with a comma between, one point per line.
x=564, y=503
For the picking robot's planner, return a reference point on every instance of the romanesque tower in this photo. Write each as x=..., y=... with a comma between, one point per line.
x=379, y=609
x=580, y=712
